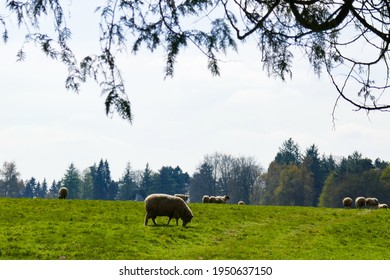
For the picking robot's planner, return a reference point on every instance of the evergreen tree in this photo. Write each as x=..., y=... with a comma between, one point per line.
x=147, y=181
x=103, y=187
x=166, y=182
x=86, y=184
x=182, y=180
x=312, y=163
x=54, y=188
x=127, y=185
x=42, y=189
x=289, y=153
x=72, y=181
x=29, y=189
x=202, y=182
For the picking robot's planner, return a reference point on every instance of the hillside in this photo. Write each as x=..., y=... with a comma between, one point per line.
x=102, y=230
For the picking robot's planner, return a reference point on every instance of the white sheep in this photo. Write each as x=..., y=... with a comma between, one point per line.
x=185, y=197
x=205, y=199
x=347, y=202
x=221, y=199
x=167, y=205
x=372, y=202
x=360, y=202
x=241, y=202
x=212, y=199
x=63, y=193
x=382, y=206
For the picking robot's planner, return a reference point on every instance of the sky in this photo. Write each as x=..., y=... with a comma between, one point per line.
x=177, y=121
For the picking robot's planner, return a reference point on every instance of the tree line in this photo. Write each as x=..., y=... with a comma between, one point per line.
x=293, y=178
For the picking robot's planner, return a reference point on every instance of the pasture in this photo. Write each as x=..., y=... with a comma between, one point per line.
x=51, y=229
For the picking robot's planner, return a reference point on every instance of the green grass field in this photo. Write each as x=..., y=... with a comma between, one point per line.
x=113, y=230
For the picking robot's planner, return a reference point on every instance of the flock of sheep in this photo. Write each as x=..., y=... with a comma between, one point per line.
x=174, y=206
x=362, y=202
x=215, y=199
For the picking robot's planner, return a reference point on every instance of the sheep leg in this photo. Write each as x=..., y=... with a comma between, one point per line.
x=146, y=220
x=169, y=220
x=177, y=221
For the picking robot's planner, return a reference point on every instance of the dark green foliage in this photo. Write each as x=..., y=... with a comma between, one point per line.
x=202, y=182
x=29, y=189
x=147, y=183
x=172, y=180
x=72, y=181
x=355, y=176
x=214, y=27
x=289, y=153
x=127, y=185
x=103, y=186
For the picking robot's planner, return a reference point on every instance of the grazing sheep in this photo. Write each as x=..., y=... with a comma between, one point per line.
x=221, y=199
x=360, y=202
x=241, y=202
x=347, y=202
x=205, y=199
x=185, y=197
x=63, y=193
x=382, y=206
x=167, y=205
x=372, y=202
x=212, y=199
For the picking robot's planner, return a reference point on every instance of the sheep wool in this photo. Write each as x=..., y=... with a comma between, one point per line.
x=221, y=199
x=241, y=202
x=205, y=199
x=372, y=202
x=347, y=202
x=63, y=193
x=169, y=206
x=360, y=202
x=382, y=206
x=185, y=197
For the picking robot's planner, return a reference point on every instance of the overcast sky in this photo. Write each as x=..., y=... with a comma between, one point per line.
x=44, y=128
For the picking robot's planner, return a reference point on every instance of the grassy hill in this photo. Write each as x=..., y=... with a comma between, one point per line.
x=102, y=230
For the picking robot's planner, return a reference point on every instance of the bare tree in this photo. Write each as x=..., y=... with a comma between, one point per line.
x=10, y=184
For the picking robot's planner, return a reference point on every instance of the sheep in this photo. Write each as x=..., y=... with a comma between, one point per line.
x=360, y=202
x=167, y=205
x=372, y=202
x=212, y=199
x=63, y=193
x=347, y=202
x=382, y=206
x=241, y=202
x=185, y=197
x=205, y=199
x=221, y=199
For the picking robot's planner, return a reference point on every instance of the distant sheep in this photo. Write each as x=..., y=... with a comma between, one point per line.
x=347, y=202
x=241, y=202
x=63, y=193
x=212, y=199
x=372, y=202
x=206, y=199
x=382, y=206
x=167, y=205
x=221, y=199
x=185, y=197
x=360, y=202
